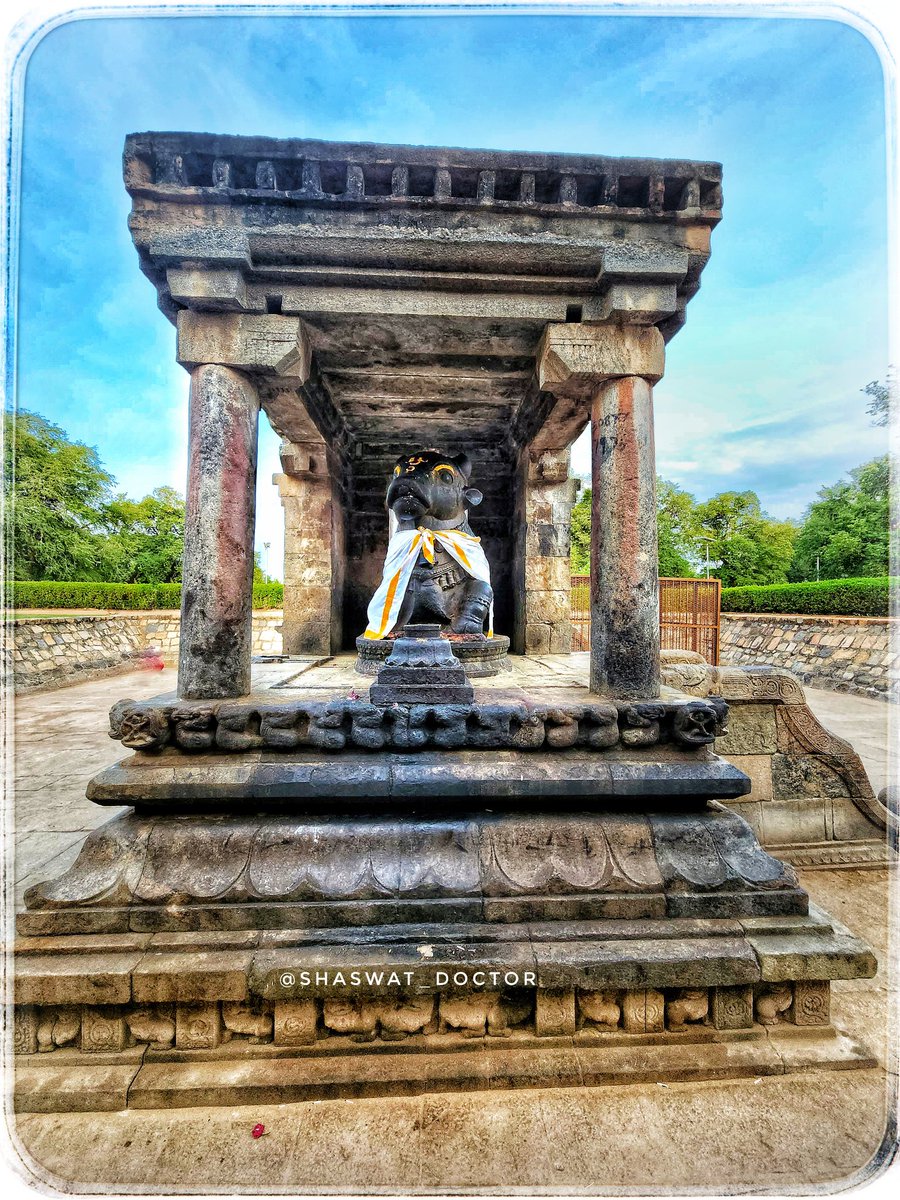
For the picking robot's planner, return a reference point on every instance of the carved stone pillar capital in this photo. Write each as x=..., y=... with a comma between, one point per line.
x=264, y=344
x=306, y=460
x=573, y=359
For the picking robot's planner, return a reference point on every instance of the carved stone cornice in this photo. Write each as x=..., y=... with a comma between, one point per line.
x=202, y=168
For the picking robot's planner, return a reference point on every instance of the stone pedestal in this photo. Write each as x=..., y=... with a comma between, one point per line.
x=480, y=658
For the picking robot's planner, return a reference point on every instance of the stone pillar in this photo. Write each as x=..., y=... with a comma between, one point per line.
x=217, y=588
x=605, y=373
x=543, y=593
x=313, y=550
x=624, y=574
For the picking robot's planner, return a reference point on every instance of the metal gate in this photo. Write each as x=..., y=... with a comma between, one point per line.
x=688, y=615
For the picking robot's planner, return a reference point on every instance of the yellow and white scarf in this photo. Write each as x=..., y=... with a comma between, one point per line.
x=402, y=556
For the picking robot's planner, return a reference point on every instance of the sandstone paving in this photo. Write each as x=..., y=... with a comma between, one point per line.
x=60, y=739
x=864, y=723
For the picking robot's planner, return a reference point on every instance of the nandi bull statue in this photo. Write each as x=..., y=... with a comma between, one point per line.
x=435, y=571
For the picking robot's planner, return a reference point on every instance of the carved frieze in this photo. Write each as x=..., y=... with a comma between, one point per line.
x=149, y=861
x=337, y=725
x=320, y=1021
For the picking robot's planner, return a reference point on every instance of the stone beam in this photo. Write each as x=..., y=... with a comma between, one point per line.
x=217, y=588
x=640, y=281
x=219, y=288
x=271, y=345
x=305, y=412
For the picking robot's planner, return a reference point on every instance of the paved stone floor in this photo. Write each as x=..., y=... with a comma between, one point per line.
x=777, y=1133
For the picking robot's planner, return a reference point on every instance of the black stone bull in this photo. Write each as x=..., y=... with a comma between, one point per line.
x=430, y=490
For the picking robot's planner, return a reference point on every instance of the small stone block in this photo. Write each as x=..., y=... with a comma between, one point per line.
x=25, y=1030
x=732, y=1007
x=103, y=1028
x=554, y=1013
x=198, y=1026
x=812, y=1002
x=295, y=1022
x=644, y=1012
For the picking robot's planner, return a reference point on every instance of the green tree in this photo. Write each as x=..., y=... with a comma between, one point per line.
x=580, y=534
x=747, y=546
x=145, y=538
x=848, y=527
x=676, y=524
x=879, y=406
x=55, y=491
x=676, y=519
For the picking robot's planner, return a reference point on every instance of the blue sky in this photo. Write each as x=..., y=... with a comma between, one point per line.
x=762, y=387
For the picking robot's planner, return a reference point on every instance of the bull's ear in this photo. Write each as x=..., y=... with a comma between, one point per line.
x=464, y=465
x=473, y=496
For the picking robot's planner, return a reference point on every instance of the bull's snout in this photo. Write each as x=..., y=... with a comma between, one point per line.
x=401, y=489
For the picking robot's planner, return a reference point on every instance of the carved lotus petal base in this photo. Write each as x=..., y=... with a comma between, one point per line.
x=480, y=658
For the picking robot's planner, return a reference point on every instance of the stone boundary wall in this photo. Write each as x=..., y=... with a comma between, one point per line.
x=51, y=651
x=842, y=654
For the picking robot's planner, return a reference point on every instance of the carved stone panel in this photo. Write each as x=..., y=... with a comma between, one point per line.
x=554, y=1013
x=198, y=1026
x=643, y=1012
x=25, y=1029
x=812, y=1002
x=103, y=1028
x=732, y=1007
x=295, y=1022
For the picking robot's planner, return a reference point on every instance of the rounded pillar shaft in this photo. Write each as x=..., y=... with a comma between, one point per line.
x=624, y=570
x=217, y=587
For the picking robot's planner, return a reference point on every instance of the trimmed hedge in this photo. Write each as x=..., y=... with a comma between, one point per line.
x=828, y=598
x=117, y=596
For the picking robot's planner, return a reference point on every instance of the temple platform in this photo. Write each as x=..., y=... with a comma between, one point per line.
x=538, y=887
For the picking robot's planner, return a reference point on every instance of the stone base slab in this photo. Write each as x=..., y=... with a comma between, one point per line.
x=254, y=1075
x=264, y=781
